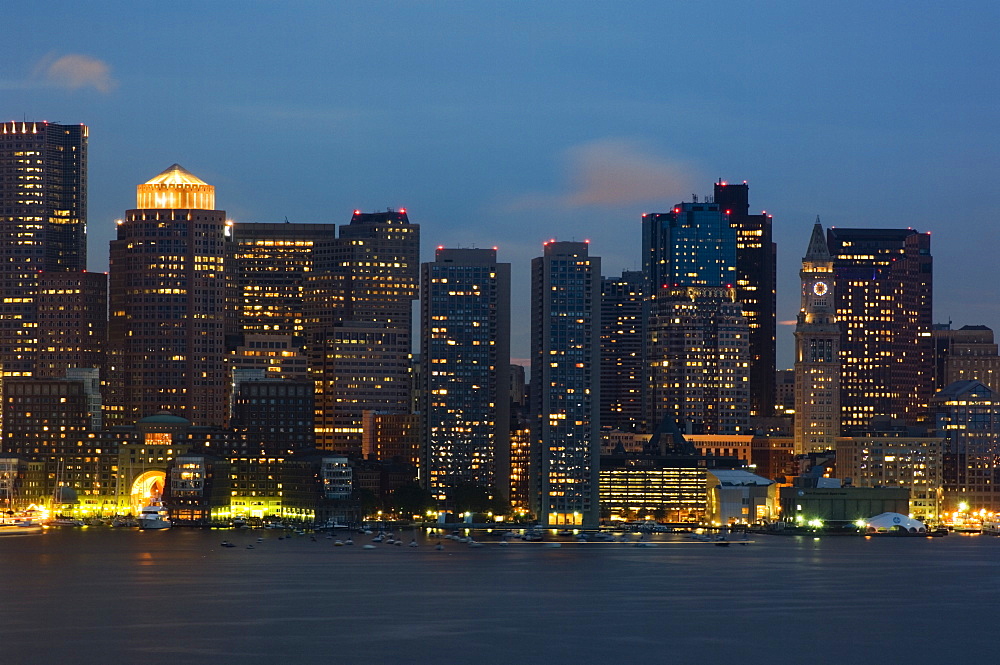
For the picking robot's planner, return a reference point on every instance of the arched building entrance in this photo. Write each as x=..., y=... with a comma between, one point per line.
x=147, y=487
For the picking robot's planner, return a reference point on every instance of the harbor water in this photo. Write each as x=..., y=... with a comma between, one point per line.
x=100, y=596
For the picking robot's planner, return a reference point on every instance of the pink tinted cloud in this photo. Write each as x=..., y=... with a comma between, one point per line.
x=75, y=71
x=614, y=172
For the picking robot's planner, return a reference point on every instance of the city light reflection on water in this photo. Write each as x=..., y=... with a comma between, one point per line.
x=104, y=596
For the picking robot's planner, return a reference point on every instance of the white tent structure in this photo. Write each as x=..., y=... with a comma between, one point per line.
x=894, y=524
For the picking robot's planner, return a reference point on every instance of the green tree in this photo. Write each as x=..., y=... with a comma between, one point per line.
x=407, y=500
x=368, y=503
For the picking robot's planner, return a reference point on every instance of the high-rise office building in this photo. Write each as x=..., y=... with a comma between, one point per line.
x=967, y=416
x=72, y=314
x=622, y=352
x=565, y=386
x=883, y=299
x=756, y=269
x=465, y=352
x=969, y=352
x=271, y=263
x=43, y=226
x=167, y=304
x=358, y=325
x=817, y=352
x=271, y=417
x=697, y=339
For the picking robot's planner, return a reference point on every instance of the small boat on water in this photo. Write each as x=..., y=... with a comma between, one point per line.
x=19, y=525
x=63, y=521
x=154, y=516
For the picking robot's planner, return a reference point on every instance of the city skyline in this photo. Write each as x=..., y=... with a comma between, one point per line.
x=509, y=126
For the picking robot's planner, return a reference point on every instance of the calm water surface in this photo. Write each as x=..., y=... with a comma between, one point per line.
x=108, y=596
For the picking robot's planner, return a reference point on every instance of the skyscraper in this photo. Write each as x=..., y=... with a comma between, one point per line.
x=359, y=344
x=271, y=263
x=883, y=299
x=167, y=303
x=756, y=268
x=697, y=339
x=817, y=352
x=465, y=351
x=43, y=226
x=622, y=356
x=969, y=352
x=967, y=415
x=565, y=390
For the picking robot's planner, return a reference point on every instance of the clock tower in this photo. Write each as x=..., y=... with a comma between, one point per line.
x=817, y=352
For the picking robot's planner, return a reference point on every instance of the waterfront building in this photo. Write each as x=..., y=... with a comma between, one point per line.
x=840, y=506
x=358, y=325
x=967, y=415
x=520, y=462
x=272, y=418
x=197, y=490
x=565, y=385
x=883, y=299
x=666, y=482
x=737, y=496
x=756, y=270
x=43, y=228
x=52, y=421
x=968, y=353
x=892, y=455
x=465, y=355
x=622, y=353
x=697, y=338
x=168, y=303
x=818, y=368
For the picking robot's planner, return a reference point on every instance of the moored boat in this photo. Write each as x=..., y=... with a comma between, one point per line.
x=19, y=526
x=154, y=516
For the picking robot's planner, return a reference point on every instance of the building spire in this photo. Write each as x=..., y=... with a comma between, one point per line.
x=818, y=249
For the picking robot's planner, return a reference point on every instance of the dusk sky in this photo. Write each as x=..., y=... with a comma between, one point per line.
x=512, y=123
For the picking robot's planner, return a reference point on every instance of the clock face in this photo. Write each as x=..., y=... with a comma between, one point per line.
x=820, y=288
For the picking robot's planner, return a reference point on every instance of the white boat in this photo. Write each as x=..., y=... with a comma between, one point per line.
x=154, y=516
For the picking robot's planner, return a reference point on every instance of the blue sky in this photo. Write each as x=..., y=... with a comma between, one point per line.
x=511, y=123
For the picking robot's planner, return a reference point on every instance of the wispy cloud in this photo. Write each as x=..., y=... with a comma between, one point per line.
x=615, y=172
x=74, y=71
